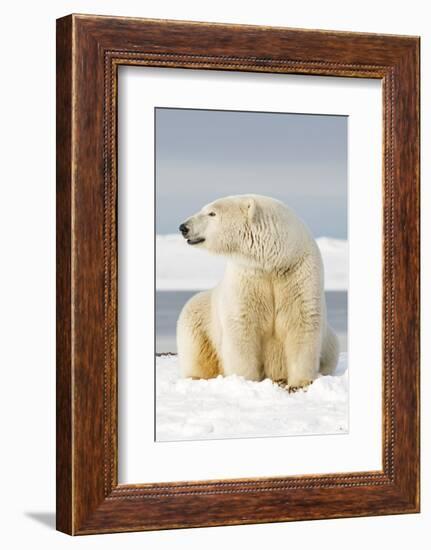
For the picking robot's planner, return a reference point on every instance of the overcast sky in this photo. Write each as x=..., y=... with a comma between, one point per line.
x=300, y=159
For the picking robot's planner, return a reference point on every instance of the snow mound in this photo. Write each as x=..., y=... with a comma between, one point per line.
x=335, y=255
x=232, y=407
x=182, y=267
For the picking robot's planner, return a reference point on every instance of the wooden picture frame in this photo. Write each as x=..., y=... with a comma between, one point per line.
x=89, y=51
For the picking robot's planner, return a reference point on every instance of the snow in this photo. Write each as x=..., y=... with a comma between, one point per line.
x=232, y=407
x=182, y=267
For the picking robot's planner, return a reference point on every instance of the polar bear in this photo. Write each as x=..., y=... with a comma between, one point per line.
x=267, y=317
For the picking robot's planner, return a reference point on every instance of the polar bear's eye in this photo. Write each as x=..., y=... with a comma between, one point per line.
x=212, y=214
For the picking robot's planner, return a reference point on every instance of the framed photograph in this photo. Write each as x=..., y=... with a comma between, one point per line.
x=237, y=274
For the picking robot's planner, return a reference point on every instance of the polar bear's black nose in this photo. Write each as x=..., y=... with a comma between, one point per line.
x=184, y=229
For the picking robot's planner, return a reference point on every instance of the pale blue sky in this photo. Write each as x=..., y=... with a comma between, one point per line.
x=300, y=159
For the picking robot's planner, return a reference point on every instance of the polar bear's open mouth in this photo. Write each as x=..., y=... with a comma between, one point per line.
x=195, y=241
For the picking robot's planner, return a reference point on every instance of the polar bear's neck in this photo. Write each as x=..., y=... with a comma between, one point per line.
x=273, y=244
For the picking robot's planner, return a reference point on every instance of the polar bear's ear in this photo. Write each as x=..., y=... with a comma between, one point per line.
x=252, y=209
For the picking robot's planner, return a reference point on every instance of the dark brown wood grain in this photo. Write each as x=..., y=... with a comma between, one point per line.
x=89, y=51
x=64, y=287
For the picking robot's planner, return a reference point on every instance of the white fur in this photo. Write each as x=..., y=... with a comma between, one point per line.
x=267, y=317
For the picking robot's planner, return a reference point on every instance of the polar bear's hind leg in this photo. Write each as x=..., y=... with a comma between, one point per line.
x=330, y=352
x=197, y=355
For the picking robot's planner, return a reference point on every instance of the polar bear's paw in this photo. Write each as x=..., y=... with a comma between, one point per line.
x=301, y=385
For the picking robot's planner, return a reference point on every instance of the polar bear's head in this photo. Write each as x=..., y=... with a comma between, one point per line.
x=220, y=225
x=251, y=227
